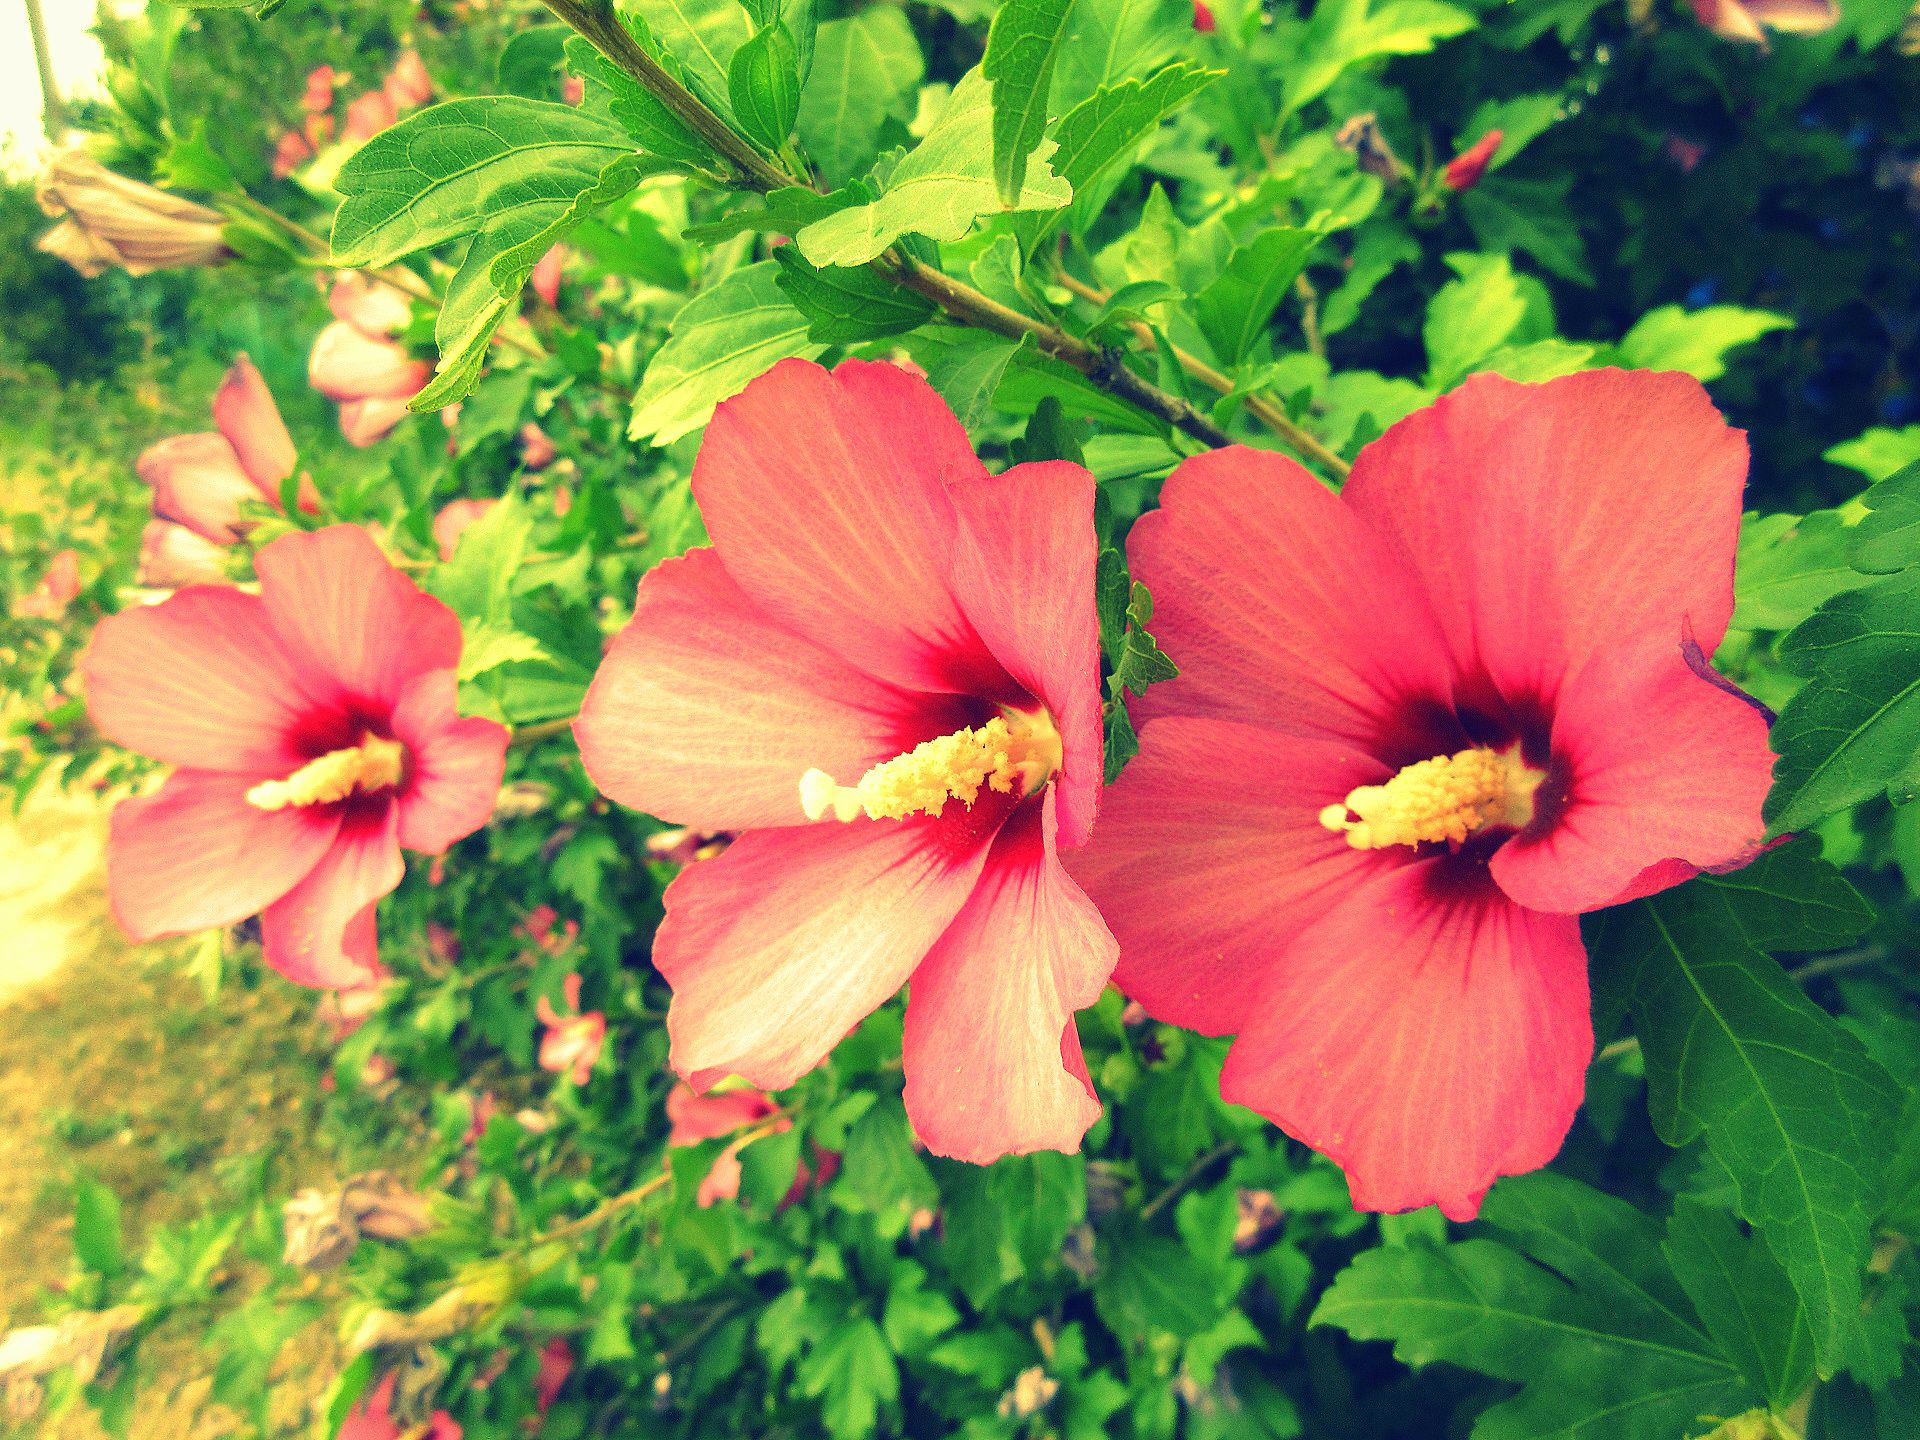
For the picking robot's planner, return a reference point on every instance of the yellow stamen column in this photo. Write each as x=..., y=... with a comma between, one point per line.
x=1444, y=800
x=373, y=764
x=1017, y=749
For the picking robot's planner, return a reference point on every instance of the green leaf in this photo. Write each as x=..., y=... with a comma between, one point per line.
x=763, y=79
x=1853, y=729
x=1106, y=127
x=720, y=340
x=1788, y=566
x=1234, y=310
x=702, y=35
x=651, y=125
x=464, y=166
x=844, y=306
x=1887, y=539
x=882, y=1171
x=96, y=1227
x=1007, y=1221
x=1148, y=1284
x=1531, y=216
x=1590, y=1363
x=477, y=583
x=1744, y=1299
x=1786, y=1100
x=939, y=190
x=1541, y=360
x=1111, y=40
x=1470, y=318
x=866, y=71
x=1344, y=33
x=1695, y=341
x=767, y=1169
x=966, y=367
x=1878, y=453
x=1022, y=46
x=853, y=1372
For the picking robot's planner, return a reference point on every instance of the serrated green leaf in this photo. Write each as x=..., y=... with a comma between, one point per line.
x=939, y=190
x=853, y=1373
x=1022, y=45
x=845, y=306
x=1589, y=1367
x=1111, y=40
x=1735, y=1054
x=702, y=35
x=1344, y=33
x=1234, y=310
x=1878, y=453
x=720, y=340
x=650, y=124
x=1695, y=341
x=1534, y=216
x=1744, y=1299
x=1541, y=360
x=1471, y=317
x=1853, y=729
x=1788, y=566
x=465, y=166
x=866, y=71
x=1105, y=127
x=1148, y=1284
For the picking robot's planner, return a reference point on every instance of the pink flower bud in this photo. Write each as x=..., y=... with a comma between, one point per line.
x=111, y=220
x=1463, y=172
x=408, y=83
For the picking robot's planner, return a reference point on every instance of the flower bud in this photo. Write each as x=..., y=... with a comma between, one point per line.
x=111, y=220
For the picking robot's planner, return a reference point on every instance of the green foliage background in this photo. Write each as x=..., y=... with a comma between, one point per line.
x=1729, y=1229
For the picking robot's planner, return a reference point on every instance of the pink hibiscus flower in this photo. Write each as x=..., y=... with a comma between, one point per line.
x=372, y=1418
x=556, y=1364
x=886, y=671
x=1420, y=727
x=58, y=589
x=356, y=362
x=572, y=1043
x=1463, y=172
x=1749, y=20
x=202, y=481
x=314, y=731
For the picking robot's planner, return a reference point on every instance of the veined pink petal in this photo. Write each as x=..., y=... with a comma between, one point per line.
x=349, y=364
x=1211, y=856
x=1662, y=766
x=199, y=680
x=455, y=765
x=706, y=712
x=357, y=630
x=321, y=933
x=1427, y=1034
x=1280, y=606
x=826, y=496
x=243, y=408
x=199, y=482
x=990, y=1010
x=172, y=556
x=782, y=944
x=1023, y=568
x=369, y=305
x=195, y=854
x=1547, y=524
x=365, y=422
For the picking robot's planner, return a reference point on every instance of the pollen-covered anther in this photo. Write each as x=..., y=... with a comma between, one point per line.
x=1015, y=752
x=1445, y=800
x=374, y=764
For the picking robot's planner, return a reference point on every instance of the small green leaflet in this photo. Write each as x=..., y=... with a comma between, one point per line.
x=702, y=35
x=844, y=306
x=1854, y=729
x=720, y=340
x=1022, y=45
x=1110, y=40
x=1695, y=341
x=866, y=70
x=1134, y=658
x=1343, y=33
x=653, y=127
x=939, y=190
x=1470, y=318
x=1575, y=1306
x=763, y=80
x=1788, y=566
x=457, y=168
x=1234, y=310
x=1105, y=127
x=1784, y=1097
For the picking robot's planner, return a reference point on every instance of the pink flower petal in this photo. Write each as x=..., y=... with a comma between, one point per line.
x=172, y=556
x=198, y=680
x=695, y=1117
x=1211, y=855
x=357, y=630
x=347, y=363
x=990, y=1011
x=825, y=494
x=782, y=944
x=198, y=482
x=368, y=116
x=243, y=408
x=195, y=854
x=1663, y=767
x=1427, y=1034
x=545, y=279
x=1596, y=513
x=455, y=765
x=1024, y=569
x=706, y=712
x=366, y=422
x=1280, y=606
x=370, y=306
x=321, y=933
